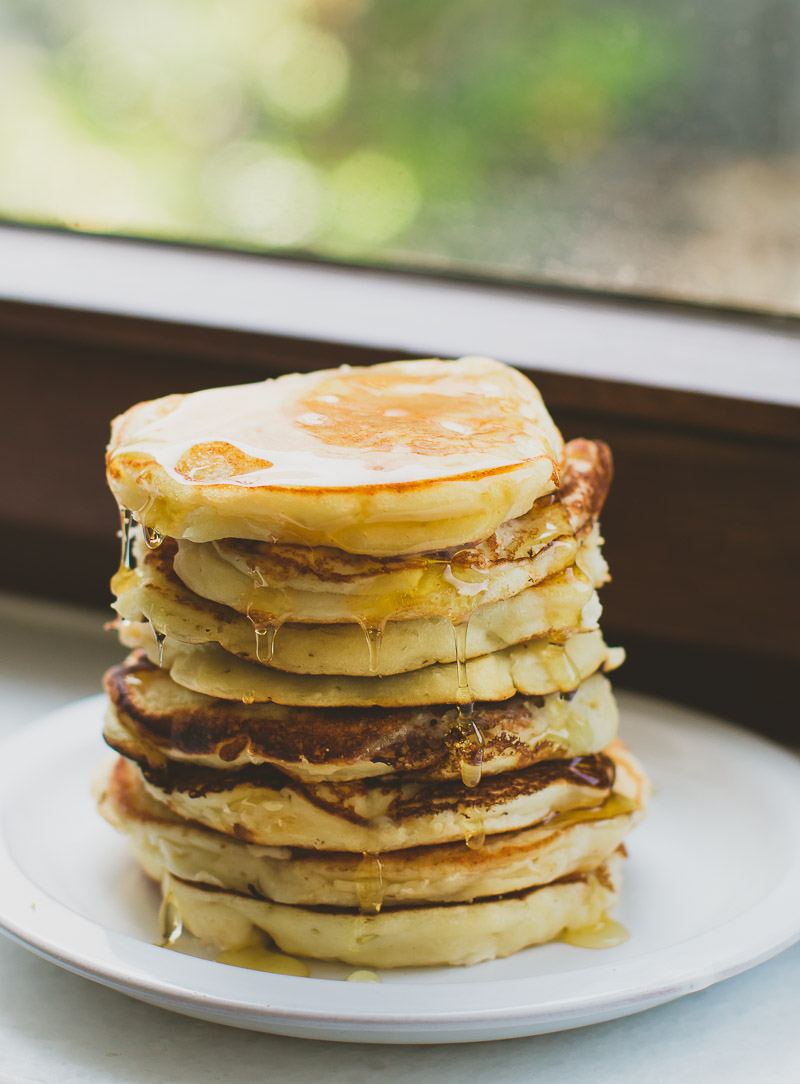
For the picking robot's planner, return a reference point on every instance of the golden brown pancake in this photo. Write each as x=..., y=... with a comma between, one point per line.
x=561, y=605
x=534, y=669
x=314, y=744
x=273, y=584
x=262, y=805
x=397, y=458
x=571, y=842
x=401, y=936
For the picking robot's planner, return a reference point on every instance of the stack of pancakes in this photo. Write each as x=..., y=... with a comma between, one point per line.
x=366, y=712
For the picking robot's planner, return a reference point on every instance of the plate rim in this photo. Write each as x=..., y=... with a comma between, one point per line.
x=513, y=1013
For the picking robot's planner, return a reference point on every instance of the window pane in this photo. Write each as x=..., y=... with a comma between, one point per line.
x=632, y=145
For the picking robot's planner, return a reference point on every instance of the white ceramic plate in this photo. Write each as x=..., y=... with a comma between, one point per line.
x=712, y=887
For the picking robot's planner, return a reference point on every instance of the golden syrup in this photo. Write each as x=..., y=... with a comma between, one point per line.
x=463, y=691
x=364, y=976
x=603, y=934
x=472, y=747
x=474, y=829
x=152, y=537
x=364, y=930
x=373, y=634
x=369, y=884
x=128, y=525
x=472, y=741
x=249, y=696
x=262, y=959
x=170, y=921
x=265, y=639
x=160, y=638
x=554, y=521
x=616, y=805
x=561, y=668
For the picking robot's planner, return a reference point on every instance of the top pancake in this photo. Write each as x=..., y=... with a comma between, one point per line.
x=394, y=459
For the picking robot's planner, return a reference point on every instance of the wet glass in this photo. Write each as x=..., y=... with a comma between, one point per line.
x=633, y=146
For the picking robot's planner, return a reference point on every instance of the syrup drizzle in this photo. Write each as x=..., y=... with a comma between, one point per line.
x=474, y=828
x=265, y=639
x=170, y=921
x=472, y=742
x=152, y=537
x=364, y=931
x=561, y=668
x=603, y=934
x=128, y=526
x=369, y=884
x=262, y=959
x=160, y=638
x=373, y=634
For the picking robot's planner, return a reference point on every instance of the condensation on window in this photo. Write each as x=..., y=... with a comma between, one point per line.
x=628, y=145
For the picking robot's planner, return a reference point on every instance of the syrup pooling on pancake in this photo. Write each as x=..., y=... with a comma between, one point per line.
x=552, y=609
x=278, y=583
x=253, y=461
x=402, y=422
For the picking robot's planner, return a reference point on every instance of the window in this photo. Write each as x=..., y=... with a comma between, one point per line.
x=625, y=145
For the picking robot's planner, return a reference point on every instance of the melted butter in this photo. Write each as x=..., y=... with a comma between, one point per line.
x=261, y=959
x=170, y=921
x=603, y=934
x=364, y=976
x=369, y=884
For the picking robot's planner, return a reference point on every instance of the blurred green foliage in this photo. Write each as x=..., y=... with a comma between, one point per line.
x=480, y=132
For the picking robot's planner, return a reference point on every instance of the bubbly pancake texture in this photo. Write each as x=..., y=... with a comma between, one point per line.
x=535, y=668
x=158, y=719
x=393, y=459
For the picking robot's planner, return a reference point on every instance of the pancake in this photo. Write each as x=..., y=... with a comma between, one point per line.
x=563, y=604
x=535, y=668
x=147, y=709
x=410, y=936
x=393, y=459
x=272, y=584
x=449, y=872
x=262, y=805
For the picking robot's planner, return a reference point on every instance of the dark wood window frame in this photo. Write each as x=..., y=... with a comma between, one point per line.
x=700, y=408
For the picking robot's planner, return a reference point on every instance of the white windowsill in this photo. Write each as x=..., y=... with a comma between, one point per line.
x=410, y=314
